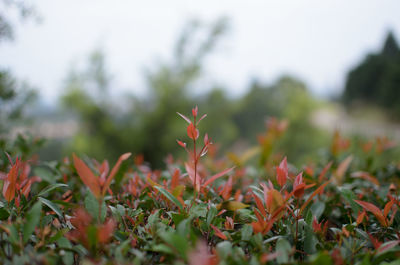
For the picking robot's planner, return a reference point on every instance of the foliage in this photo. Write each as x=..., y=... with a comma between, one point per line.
x=376, y=79
x=341, y=209
x=148, y=125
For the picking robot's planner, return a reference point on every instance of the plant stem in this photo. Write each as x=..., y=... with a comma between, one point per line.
x=297, y=223
x=195, y=162
x=100, y=204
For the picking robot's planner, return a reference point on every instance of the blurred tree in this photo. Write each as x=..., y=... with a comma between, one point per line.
x=87, y=94
x=288, y=98
x=150, y=125
x=220, y=124
x=15, y=96
x=22, y=8
x=376, y=80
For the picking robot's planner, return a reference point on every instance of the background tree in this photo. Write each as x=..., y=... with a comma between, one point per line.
x=376, y=80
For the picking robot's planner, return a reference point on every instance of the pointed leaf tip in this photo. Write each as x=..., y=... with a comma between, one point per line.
x=125, y=156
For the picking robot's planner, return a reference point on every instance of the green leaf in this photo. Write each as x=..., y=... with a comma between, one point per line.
x=4, y=214
x=283, y=248
x=321, y=259
x=92, y=206
x=32, y=220
x=45, y=173
x=246, y=232
x=92, y=236
x=14, y=238
x=177, y=217
x=176, y=241
x=349, y=196
x=170, y=197
x=52, y=206
x=317, y=209
x=199, y=210
x=67, y=257
x=163, y=249
x=50, y=188
x=310, y=241
x=224, y=249
x=211, y=214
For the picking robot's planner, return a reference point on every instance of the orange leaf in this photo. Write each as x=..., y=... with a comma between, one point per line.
x=10, y=182
x=218, y=232
x=274, y=200
x=87, y=176
x=375, y=242
x=260, y=205
x=104, y=232
x=373, y=209
x=366, y=176
x=275, y=216
x=216, y=176
x=324, y=170
x=282, y=172
x=320, y=189
x=114, y=171
x=192, y=132
x=360, y=217
x=387, y=208
x=175, y=178
x=342, y=168
x=227, y=189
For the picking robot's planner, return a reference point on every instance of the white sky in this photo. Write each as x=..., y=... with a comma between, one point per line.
x=315, y=40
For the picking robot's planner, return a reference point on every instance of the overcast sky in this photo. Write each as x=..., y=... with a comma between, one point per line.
x=317, y=41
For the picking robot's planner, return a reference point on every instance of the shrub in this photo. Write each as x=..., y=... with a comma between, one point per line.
x=206, y=210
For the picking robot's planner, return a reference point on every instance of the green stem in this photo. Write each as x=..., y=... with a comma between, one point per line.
x=100, y=204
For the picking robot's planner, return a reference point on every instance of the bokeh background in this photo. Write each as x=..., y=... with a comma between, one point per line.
x=106, y=77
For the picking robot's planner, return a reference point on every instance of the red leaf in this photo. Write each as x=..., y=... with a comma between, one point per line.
x=216, y=176
x=260, y=205
x=299, y=185
x=218, y=232
x=227, y=189
x=175, y=178
x=87, y=176
x=192, y=132
x=373, y=209
x=114, y=171
x=202, y=117
x=195, y=111
x=387, y=208
x=360, y=217
x=9, y=185
x=282, y=172
x=181, y=143
x=388, y=245
x=366, y=176
x=190, y=171
x=319, y=190
x=374, y=241
x=324, y=170
x=104, y=232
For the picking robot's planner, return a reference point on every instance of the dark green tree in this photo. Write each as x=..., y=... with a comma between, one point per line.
x=376, y=80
